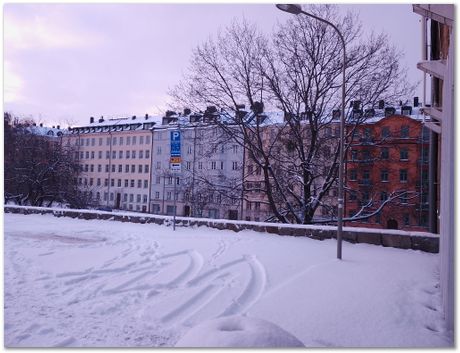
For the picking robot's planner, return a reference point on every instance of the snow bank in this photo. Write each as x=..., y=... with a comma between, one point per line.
x=238, y=332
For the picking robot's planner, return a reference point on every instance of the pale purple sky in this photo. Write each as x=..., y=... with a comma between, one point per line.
x=66, y=62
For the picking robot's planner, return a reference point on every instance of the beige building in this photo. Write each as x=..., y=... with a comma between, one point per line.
x=115, y=160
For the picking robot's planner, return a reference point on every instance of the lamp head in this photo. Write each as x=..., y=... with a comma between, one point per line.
x=294, y=9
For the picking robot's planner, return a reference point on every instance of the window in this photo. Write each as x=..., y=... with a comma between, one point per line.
x=107, y=154
x=403, y=198
x=147, y=140
x=188, y=165
x=133, y=154
x=105, y=196
x=132, y=183
x=200, y=165
x=384, y=153
x=98, y=182
x=114, y=140
x=134, y=140
x=403, y=175
x=112, y=182
x=146, y=184
x=158, y=149
x=406, y=219
x=141, y=140
x=86, y=167
x=126, y=183
x=128, y=140
x=120, y=154
x=366, y=174
x=107, y=168
x=138, y=198
x=144, y=199
x=92, y=154
x=87, y=142
x=81, y=155
x=147, y=154
x=119, y=183
x=107, y=141
x=158, y=165
x=189, y=149
x=114, y=154
x=87, y=155
x=125, y=197
x=177, y=181
x=383, y=196
x=404, y=131
x=213, y=165
x=404, y=154
x=157, y=180
x=234, y=165
x=170, y=180
x=353, y=196
x=168, y=195
x=384, y=175
x=126, y=168
x=146, y=168
x=106, y=182
x=139, y=184
x=90, y=181
x=100, y=141
x=385, y=132
x=141, y=154
x=113, y=168
x=120, y=168
x=128, y=154
x=99, y=155
x=353, y=174
x=91, y=168
x=133, y=168
x=139, y=168
x=157, y=195
x=131, y=197
x=354, y=155
x=235, y=149
x=121, y=140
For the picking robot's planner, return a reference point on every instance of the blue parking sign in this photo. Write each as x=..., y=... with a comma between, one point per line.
x=175, y=143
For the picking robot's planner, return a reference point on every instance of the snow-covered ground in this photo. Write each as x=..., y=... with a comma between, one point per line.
x=71, y=282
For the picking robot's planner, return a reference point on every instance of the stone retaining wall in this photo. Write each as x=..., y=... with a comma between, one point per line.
x=389, y=238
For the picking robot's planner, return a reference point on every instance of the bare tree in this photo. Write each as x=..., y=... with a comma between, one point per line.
x=38, y=170
x=296, y=70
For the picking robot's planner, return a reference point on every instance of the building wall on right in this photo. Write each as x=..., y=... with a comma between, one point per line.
x=438, y=63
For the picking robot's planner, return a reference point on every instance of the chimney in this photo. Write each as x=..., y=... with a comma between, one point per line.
x=134, y=117
x=41, y=124
x=381, y=104
x=91, y=120
x=101, y=119
x=34, y=124
x=415, y=101
x=58, y=127
x=53, y=127
x=146, y=116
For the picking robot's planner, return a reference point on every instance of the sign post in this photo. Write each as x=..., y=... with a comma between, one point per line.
x=175, y=164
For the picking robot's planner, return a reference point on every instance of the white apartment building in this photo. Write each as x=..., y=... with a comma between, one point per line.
x=209, y=183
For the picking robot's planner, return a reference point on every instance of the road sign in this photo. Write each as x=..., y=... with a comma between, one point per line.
x=175, y=158
x=175, y=143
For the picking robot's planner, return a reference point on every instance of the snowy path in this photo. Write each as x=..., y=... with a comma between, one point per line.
x=72, y=282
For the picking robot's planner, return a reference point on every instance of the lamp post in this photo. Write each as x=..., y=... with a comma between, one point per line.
x=296, y=10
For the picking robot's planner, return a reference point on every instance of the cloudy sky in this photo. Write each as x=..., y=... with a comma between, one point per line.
x=66, y=62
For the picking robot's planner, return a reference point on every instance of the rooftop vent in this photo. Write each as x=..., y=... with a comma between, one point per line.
x=101, y=119
x=58, y=127
x=381, y=104
x=187, y=111
x=134, y=117
x=406, y=110
x=415, y=101
x=146, y=116
x=41, y=124
x=91, y=120
x=390, y=111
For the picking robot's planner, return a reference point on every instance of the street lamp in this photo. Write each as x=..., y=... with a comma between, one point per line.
x=296, y=9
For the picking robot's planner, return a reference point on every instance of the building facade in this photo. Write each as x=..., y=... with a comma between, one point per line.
x=387, y=174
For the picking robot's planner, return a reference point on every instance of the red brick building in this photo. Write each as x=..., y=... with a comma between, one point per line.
x=388, y=160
